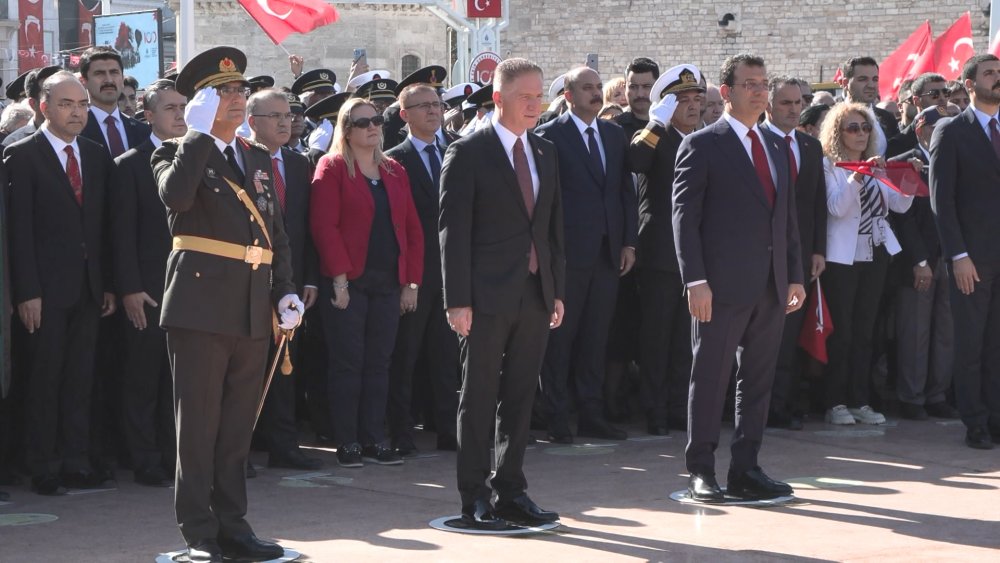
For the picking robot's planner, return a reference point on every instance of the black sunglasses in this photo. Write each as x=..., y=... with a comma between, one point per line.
x=937, y=92
x=364, y=122
x=856, y=128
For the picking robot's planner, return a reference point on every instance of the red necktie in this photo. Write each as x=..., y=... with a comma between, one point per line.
x=995, y=136
x=523, y=172
x=279, y=183
x=791, y=160
x=73, y=173
x=763, y=169
x=115, y=144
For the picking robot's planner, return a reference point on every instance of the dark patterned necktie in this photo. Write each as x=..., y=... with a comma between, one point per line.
x=231, y=158
x=73, y=173
x=995, y=136
x=279, y=183
x=523, y=172
x=435, y=162
x=115, y=143
x=791, y=159
x=595, y=151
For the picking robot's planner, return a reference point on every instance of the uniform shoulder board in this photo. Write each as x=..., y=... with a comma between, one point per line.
x=251, y=143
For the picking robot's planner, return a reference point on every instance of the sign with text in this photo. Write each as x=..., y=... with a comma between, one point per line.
x=484, y=8
x=138, y=38
x=483, y=66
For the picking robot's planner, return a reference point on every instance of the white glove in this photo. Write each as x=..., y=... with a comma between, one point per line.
x=664, y=110
x=322, y=136
x=290, y=309
x=200, y=111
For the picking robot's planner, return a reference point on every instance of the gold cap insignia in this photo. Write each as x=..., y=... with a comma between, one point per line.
x=381, y=85
x=433, y=77
x=687, y=77
x=227, y=65
x=324, y=76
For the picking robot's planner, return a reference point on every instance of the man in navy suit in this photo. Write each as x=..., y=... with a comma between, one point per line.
x=600, y=216
x=102, y=74
x=737, y=240
x=965, y=173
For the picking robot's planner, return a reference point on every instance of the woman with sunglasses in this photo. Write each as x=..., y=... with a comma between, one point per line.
x=859, y=244
x=371, y=249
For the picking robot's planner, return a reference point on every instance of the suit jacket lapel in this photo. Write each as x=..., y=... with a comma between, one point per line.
x=610, y=155
x=776, y=150
x=501, y=162
x=53, y=159
x=415, y=163
x=985, y=146
x=732, y=145
x=570, y=130
x=541, y=167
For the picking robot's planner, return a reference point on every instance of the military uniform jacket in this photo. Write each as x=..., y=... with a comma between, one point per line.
x=651, y=154
x=212, y=293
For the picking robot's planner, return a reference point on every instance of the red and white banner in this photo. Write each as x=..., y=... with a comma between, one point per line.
x=30, y=39
x=281, y=18
x=911, y=59
x=953, y=47
x=484, y=8
x=900, y=176
x=88, y=9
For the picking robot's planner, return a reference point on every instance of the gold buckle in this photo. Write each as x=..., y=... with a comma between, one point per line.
x=254, y=256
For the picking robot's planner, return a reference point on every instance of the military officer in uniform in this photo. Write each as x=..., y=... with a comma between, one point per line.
x=229, y=271
x=324, y=114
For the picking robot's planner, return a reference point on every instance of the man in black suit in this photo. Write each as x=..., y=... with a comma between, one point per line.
x=103, y=76
x=805, y=161
x=141, y=243
x=927, y=90
x=270, y=118
x=600, y=215
x=738, y=246
x=502, y=259
x=57, y=190
x=229, y=272
x=924, y=329
x=424, y=332
x=860, y=84
x=665, y=333
x=965, y=173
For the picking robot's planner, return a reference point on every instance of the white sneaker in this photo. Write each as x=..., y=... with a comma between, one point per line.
x=839, y=415
x=866, y=415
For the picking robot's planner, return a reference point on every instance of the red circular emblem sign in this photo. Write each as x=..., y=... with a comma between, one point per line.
x=482, y=66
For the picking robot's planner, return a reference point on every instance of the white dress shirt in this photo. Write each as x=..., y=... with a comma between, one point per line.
x=586, y=138
x=60, y=145
x=796, y=151
x=101, y=115
x=742, y=131
x=507, y=138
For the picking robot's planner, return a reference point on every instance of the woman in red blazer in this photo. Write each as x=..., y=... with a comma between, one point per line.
x=371, y=249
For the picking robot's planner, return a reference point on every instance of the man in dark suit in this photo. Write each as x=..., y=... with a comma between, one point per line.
x=860, y=84
x=229, y=271
x=738, y=246
x=502, y=259
x=103, y=75
x=424, y=332
x=665, y=332
x=965, y=173
x=57, y=191
x=924, y=329
x=270, y=121
x=141, y=243
x=805, y=160
x=927, y=90
x=600, y=215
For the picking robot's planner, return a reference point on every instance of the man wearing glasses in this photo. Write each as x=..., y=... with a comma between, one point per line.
x=929, y=89
x=229, y=271
x=737, y=239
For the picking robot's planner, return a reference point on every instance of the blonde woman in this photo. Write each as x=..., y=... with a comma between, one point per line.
x=614, y=93
x=858, y=246
x=371, y=249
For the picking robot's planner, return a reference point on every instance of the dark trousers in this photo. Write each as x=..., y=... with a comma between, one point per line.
x=787, y=376
x=977, y=349
x=106, y=417
x=424, y=332
x=665, y=345
x=60, y=386
x=312, y=371
x=218, y=380
x=360, y=339
x=501, y=360
x=751, y=334
x=580, y=345
x=853, y=294
x=924, y=341
x=147, y=393
x=277, y=420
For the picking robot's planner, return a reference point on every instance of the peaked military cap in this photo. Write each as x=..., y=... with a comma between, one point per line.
x=433, y=75
x=680, y=78
x=382, y=89
x=211, y=68
x=316, y=79
x=327, y=108
x=16, y=90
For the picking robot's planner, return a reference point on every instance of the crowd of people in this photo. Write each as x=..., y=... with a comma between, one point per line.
x=660, y=289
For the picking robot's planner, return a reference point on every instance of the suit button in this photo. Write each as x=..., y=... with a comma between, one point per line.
x=216, y=190
x=197, y=274
x=770, y=248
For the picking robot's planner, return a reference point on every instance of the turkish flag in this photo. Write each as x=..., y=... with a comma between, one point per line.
x=817, y=326
x=280, y=18
x=953, y=47
x=911, y=59
x=899, y=176
x=484, y=9
x=87, y=9
x=30, y=36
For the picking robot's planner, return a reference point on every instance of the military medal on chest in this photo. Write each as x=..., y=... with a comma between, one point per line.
x=262, y=194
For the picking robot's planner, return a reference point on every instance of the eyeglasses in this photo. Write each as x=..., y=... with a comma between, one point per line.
x=233, y=90
x=855, y=128
x=754, y=86
x=426, y=106
x=275, y=115
x=365, y=122
x=67, y=105
x=936, y=93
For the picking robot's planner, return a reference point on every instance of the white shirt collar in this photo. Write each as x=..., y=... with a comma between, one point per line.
x=984, y=119
x=769, y=125
x=155, y=140
x=101, y=115
x=419, y=144
x=583, y=126
x=740, y=129
x=508, y=138
x=58, y=144
x=277, y=154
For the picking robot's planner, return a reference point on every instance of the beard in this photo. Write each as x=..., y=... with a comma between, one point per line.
x=988, y=95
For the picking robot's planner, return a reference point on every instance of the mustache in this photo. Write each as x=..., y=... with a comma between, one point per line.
x=640, y=99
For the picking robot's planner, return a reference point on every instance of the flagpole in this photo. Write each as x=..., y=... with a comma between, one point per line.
x=994, y=22
x=185, y=32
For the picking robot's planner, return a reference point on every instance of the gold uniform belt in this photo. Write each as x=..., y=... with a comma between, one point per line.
x=253, y=255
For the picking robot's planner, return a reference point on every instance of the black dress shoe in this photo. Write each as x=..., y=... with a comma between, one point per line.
x=152, y=477
x=81, y=479
x=447, y=442
x=48, y=485
x=481, y=516
x=522, y=510
x=599, y=428
x=909, y=411
x=755, y=485
x=560, y=435
x=704, y=488
x=658, y=429
x=404, y=446
x=978, y=438
x=941, y=409
x=294, y=459
x=249, y=547
x=205, y=550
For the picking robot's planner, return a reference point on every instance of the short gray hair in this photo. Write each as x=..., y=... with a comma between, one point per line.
x=509, y=69
x=267, y=94
x=780, y=81
x=15, y=113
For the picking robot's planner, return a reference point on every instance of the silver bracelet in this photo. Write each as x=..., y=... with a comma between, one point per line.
x=340, y=285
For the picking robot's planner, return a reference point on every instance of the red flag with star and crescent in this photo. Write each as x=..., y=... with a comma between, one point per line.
x=281, y=18
x=953, y=47
x=911, y=59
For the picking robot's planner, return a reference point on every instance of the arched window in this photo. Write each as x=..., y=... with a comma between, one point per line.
x=410, y=64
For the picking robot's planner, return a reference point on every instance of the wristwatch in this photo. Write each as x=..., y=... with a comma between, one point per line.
x=412, y=286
